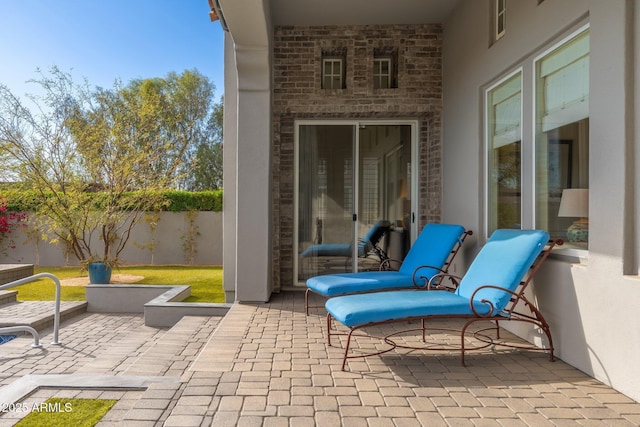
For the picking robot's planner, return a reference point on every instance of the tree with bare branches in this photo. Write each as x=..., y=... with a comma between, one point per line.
x=97, y=157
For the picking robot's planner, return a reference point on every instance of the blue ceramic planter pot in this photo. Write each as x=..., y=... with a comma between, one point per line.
x=99, y=273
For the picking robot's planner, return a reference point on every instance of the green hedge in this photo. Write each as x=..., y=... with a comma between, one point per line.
x=178, y=201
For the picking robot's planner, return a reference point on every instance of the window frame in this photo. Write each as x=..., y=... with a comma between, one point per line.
x=529, y=129
x=378, y=75
x=540, y=121
x=488, y=146
x=331, y=76
x=500, y=18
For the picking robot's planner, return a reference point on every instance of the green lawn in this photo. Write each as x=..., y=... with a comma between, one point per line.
x=67, y=412
x=205, y=282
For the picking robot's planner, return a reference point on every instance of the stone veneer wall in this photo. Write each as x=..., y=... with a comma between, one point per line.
x=297, y=95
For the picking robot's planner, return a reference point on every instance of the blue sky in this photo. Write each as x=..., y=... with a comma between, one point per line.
x=104, y=40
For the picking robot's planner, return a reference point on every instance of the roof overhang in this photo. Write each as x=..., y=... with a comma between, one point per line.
x=360, y=12
x=338, y=12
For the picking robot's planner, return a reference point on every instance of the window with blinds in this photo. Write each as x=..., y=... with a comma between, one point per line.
x=504, y=134
x=563, y=84
x=562, y=137
x=506, y=111
x=551, y=121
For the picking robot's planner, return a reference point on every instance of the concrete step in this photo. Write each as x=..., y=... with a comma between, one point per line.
x=38, y=314
x=172, y=353
x=12, y=272
x=171, y=356
x=152, y=351
x=8, y=297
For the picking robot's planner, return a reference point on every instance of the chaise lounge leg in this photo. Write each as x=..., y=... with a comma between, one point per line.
x=547, y=331
x=306, y=302
x=463, y=332
x=542, y=324
x=462, y=349
x=346, y=349
x=329, y=329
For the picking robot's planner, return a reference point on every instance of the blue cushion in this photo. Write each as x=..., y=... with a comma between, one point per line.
x=503, y=261
x=331, y=285
x=358, y=310
x=432, y=247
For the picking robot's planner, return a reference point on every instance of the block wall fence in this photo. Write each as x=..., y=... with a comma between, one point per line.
x=178, y=238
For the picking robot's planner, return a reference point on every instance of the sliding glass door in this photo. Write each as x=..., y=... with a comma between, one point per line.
x=353, y=196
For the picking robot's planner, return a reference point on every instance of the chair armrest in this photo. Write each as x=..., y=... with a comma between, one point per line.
x=436, y=281
x=492, y=311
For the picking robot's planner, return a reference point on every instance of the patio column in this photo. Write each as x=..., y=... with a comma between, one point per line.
x=229, y=159
x=249, y=236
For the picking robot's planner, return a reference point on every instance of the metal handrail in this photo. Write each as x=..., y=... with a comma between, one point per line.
x=56, y=314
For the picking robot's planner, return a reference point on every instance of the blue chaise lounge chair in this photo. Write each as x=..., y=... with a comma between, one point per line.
x=432, y=253
x=492, y=289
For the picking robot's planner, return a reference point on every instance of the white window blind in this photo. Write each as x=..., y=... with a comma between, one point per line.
x=563, y=76
x=505, y=104
x=348, y=188
x=323, y=188
x=370, y=189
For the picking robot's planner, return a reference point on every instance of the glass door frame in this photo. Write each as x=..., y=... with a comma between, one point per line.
x=357, y=124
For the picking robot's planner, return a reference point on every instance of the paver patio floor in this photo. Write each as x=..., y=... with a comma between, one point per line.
x=269, y=365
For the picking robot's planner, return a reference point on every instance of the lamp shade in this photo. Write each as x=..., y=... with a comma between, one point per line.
x=574, y=203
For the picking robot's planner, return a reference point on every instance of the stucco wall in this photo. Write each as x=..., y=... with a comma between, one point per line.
x=297, y=95
x=591, y=305
x=178, y=238
x=247, y=152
